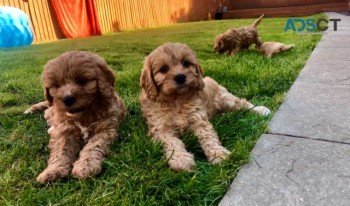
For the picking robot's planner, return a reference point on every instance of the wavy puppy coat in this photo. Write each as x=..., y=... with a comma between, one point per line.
x=83, y=113
x=235, y=39
x=270, y=48
x=176, y=97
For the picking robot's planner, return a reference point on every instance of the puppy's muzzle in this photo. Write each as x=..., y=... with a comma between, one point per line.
x=68, y=100
x=180, y=79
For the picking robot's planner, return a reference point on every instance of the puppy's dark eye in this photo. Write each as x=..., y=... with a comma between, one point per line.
x=163, y=69
x=81, y=81
x=186, y=64
x=56, y=86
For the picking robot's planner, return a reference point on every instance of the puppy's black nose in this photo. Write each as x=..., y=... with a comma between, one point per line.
x=180, y=78
x=69, y=100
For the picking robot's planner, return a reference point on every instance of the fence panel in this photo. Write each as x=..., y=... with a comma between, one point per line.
x=116, y=15
x=40, y=17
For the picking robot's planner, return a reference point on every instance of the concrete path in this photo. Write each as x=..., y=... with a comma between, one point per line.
x=305, y=157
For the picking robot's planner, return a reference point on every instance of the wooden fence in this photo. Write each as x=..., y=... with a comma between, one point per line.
x=273, y=8
x=43, y=23
x=132, y=14
x=251, y=4
x=116, y=15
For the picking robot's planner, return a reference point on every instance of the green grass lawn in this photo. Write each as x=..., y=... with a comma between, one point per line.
x=135, y=172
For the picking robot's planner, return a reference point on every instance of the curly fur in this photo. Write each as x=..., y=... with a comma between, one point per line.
x=235, y=39
x=83, y=113
x=176, y=97
x=271, y=48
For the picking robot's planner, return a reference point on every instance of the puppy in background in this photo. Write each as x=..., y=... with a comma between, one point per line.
x=83, y=113
x=271, y=48
x=176, y=97
x=235, y=39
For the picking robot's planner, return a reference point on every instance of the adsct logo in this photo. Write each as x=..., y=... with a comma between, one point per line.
x=310, y=25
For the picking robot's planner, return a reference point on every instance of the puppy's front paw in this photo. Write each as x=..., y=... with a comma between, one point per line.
x=218, y=155
x=28, y=111
x=85, y=168
x=51, y=174
x=264, y=111
x=181, y=161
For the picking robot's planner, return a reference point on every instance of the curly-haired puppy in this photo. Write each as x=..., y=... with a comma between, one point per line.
x=83, y=113
x=176, y=97
x=235, y=39
x=270, y=48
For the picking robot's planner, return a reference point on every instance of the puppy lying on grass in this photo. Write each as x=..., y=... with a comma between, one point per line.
x=83, y=113
x=177, y=97
x=270, y=48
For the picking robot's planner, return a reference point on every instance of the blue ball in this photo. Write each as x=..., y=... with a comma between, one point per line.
x=14, y=28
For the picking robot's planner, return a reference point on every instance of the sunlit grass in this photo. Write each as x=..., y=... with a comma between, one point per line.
x=134, y=172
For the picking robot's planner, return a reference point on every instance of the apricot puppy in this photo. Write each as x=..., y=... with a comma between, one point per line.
x=83, y=113
x=235, y=39
x=270, y=48
x=176, y=97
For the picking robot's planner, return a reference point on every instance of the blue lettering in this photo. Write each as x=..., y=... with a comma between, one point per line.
x=311, y=25
x=289, y=25
x=302, y=24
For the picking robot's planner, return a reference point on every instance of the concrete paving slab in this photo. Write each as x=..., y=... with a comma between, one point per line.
x=287, y=171
x=336, y=33
x=343, y=28
x=343, y=22
x=328, y=41
x=328, y=72
x=316, y=111
x=330, y=54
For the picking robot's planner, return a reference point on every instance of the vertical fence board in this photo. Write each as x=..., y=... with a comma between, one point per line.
x=113, y=16
x=5, y=3
x=116, y=23
x=99, y=14
x=46, y=22
x=33, y=18
x=50, y=23
x=42, y=20
x=15, y=4
x=109, y=16
x=128, y=14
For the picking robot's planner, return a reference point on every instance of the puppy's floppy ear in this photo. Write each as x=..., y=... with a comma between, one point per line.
x=199, y=70
x=217, y=42
x=48, y=96
x=200, y=73
x=222, y=42
x=44, y=78
x=147, y=82
x=108, y=74
x=106, y=79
